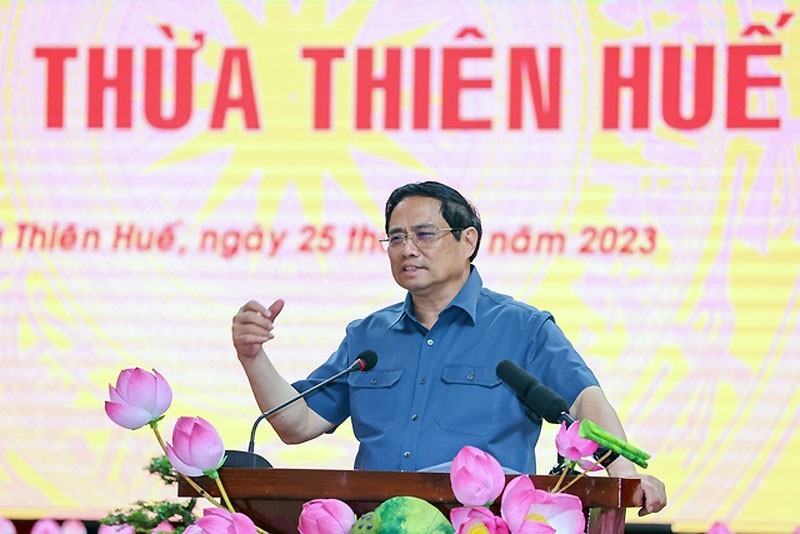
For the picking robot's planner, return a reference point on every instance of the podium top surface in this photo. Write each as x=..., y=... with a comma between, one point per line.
x=377, y=486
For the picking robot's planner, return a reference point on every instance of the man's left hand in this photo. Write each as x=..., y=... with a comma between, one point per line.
x=655, y=495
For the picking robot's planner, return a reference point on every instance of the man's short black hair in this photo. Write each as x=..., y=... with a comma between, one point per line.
x=456, y=210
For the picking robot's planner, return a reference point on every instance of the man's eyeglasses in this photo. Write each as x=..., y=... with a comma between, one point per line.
x=422, y=239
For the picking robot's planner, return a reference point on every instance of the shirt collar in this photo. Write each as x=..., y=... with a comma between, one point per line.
x=466, y=299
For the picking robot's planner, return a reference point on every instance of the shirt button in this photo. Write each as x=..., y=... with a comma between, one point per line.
x=430, y=342
x=470, y=377
x=373, y=381
x=407, y=454
x=414, y=417
x=422, y=381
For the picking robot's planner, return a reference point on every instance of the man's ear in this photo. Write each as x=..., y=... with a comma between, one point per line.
x=470, y=238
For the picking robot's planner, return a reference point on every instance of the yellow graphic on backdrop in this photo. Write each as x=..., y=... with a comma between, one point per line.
x=285, y=149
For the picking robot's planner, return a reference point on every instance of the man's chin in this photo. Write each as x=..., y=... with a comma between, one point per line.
x=411, y=284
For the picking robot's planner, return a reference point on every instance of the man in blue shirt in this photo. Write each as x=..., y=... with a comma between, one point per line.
x=435, y=388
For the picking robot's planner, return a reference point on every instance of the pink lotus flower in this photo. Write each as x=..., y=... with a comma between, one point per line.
x=220, y=521
x=476, y=477
x=73, y=526
x=196, y=447
x=7, y=526
x=536, y=527
x=572, y=446
x=326, y=516
x=164, y=526
x=719, y=528
x=139, y=398
x=116, y=529
x=46, y=526
x=477, y=521
x=527, y=510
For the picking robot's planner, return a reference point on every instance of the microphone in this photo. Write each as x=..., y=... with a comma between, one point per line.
x=549, y=404
x=365, y=361
x=521, y=382
x=554, y=409
x=534, y=395
x=517, y=378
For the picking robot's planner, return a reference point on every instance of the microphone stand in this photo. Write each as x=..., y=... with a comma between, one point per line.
x=239, y=459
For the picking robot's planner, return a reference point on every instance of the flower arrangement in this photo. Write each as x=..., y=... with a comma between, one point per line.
x=477, y=480
x=141, y=398
x=153, y=516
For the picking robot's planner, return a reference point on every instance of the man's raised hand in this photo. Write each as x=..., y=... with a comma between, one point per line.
x=252, y=325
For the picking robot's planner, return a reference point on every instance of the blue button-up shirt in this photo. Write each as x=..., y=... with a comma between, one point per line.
x=434, y=391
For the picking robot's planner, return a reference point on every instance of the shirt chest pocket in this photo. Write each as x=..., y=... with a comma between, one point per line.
x=374, y=398
x=470, y=399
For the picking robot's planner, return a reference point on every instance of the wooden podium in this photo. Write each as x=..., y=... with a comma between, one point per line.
x=273, y=498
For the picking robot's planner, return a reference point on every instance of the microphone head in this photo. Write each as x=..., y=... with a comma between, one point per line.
x=368, y=359
x=517, y=378
x=534, y=395
x=547, y=403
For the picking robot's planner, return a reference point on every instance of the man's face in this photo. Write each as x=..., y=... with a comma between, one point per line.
x=438, y=270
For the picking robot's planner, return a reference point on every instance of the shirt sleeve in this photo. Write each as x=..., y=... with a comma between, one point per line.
x=557, y=364
x=331, y=401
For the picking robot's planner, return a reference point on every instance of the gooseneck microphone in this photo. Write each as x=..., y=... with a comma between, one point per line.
x=365, y=361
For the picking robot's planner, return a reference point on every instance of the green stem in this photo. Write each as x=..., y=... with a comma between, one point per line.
x=582, y=473
x=605, y=439
x=224, y=494
x=203, y=493
x=228, y=502
x=560, y=479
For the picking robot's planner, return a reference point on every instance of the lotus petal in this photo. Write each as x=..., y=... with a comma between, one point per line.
x=127, y=416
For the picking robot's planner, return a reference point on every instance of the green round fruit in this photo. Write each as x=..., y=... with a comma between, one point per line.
x=404, y=515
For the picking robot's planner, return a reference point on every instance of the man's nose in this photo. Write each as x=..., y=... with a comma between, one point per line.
x=409, y=247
